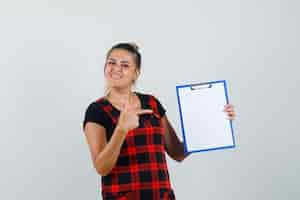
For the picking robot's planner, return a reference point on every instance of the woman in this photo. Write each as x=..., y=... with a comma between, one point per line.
x=128, y=133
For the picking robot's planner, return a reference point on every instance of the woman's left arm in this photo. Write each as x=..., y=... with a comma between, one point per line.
x=173, y=145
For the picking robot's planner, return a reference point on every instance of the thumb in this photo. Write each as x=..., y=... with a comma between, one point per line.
x=144, y=111
x=126, y=105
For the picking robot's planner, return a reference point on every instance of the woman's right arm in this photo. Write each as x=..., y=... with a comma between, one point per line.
x=104, y=155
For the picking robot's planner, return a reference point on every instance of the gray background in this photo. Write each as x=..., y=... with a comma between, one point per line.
x=51, y=58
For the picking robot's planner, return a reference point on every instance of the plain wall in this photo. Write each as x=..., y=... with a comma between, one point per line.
x=51, y=60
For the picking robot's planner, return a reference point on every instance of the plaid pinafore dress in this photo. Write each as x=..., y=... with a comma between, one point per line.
x=141, y=171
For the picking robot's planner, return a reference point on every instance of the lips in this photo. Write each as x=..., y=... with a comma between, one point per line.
x=115, y=76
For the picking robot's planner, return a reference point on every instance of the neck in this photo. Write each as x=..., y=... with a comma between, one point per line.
x=120, y=95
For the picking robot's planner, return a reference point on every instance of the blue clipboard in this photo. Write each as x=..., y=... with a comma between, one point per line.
x=204, y=124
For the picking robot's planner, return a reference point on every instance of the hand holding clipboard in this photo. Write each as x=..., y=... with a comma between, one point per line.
x=204, y=125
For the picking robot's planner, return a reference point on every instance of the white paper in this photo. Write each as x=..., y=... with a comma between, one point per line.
x=205, y=124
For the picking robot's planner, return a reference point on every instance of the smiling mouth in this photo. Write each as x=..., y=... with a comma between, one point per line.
x=115, y=76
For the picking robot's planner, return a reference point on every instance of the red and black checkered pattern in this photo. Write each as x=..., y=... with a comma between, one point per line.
x=141, y=169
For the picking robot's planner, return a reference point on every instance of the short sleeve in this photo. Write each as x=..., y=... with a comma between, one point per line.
x=95, y=114
x=160, y=107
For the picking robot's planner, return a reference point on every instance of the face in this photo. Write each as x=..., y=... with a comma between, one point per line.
x=120, y=69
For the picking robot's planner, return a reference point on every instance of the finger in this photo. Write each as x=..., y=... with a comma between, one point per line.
x=126, y=105
x=228, y=106
x=229, y=109
x=144, y=111
x=230, y=117
x=130, y=103
x=123, y=105
x=231, y=114
x=136, y=106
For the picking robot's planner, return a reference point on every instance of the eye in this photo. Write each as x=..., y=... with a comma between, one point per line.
x=110, y=63
x=125, y=66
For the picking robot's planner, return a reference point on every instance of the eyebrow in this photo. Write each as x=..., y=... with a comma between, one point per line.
x=123, y=61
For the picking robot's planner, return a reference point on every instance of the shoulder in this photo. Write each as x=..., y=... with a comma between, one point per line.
x=94, y=107
x=95, y=112
x=97, y=104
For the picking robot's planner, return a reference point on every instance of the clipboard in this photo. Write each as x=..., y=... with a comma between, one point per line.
x=203, y=122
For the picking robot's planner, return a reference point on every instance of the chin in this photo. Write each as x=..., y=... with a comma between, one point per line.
x=116, y=83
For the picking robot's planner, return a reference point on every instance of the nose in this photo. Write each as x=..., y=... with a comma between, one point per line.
x=117, y=67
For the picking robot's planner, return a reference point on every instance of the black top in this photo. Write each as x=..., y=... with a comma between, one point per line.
x=95, y=113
